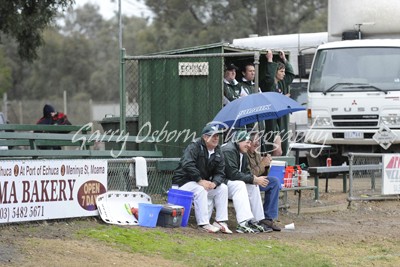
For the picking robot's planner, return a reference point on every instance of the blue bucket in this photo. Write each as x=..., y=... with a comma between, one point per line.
x=148, y=214
x=181, y=198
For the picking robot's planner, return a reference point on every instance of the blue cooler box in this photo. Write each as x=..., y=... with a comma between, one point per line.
x=170, y=216
x=276, y=169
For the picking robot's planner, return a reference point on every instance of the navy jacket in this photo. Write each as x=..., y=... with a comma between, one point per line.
x=195, y=165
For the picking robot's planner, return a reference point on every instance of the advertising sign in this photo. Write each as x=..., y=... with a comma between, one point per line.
x=391, y=174
x=193, y=68
x=50, y=189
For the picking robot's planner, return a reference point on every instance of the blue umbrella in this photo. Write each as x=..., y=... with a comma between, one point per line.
x=254, y=108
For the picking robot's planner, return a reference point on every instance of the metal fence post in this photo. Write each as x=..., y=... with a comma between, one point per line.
x=351, y=156
x=122, y=96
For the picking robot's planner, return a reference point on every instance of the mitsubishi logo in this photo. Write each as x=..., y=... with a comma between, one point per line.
x=354, y=102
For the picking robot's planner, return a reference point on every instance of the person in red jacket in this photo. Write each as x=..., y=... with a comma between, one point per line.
x=52, y=117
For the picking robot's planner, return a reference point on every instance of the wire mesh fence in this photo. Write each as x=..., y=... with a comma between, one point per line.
x=366, y=177
x=122, y=176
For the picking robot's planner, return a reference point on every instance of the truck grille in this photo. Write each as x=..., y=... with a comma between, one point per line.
x=366, y=120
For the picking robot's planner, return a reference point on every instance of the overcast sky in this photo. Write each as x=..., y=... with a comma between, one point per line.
x=128, y=7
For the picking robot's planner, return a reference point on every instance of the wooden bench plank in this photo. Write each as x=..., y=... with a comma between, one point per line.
x=76, y=137
x=290, y=160
x=167, y=164
x=46, y=128
x=14, y=143
x=34, y=140
x=18, y=140
x=78, y=153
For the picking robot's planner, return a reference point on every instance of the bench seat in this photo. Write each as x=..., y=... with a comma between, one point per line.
x=37, y=141
x=297, y=190
x=317, y=171
x=78, y=153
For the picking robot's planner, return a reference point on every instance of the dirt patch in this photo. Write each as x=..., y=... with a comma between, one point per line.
x=327, y=221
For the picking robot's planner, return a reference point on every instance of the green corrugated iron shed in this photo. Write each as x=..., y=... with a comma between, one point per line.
x=176, y=106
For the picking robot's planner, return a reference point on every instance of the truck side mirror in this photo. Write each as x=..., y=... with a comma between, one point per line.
x=301, y=64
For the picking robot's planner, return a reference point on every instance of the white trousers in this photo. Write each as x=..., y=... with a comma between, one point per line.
x=204, y=201
x=246, y=200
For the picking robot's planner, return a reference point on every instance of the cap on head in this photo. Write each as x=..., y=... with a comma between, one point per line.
x=211, y=130
x=231, y=66
x=241, y=136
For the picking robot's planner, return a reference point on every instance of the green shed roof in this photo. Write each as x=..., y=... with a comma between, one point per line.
x=209, y=48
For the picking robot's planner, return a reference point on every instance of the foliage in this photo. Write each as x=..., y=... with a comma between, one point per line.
x=205, y=249
x=81, y=55
x=5, y=74
x=25, y=20
x=185, y=23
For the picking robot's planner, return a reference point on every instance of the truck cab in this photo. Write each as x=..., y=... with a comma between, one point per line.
x=353, y=93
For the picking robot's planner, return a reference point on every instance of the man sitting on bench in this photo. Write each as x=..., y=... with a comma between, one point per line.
x=258, y=166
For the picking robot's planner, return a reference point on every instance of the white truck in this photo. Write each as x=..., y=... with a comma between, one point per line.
x=354, y=85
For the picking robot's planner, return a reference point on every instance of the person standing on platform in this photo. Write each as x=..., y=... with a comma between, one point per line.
x=278, y=78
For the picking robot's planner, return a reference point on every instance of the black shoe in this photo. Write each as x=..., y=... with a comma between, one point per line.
x=267, y=229
x=270, y=224
x=256, y=227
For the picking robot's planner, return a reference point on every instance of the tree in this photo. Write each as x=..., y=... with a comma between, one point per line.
x=5, y=74
x=182, y=23
x=25, y=20
x=81, y=55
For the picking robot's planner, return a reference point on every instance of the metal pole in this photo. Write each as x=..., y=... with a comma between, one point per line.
x=65, y=102
x=21, y=121
x=256, y=65
x=91, y=109
x=351, y=157
x=5, y=107
x=119, y=24
x=260, y=124
x=122, y=100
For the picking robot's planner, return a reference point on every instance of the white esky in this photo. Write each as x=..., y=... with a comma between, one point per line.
x=109, y=8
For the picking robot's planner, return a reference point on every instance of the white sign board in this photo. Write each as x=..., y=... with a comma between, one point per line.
x=391, y=174
x=193, y=68
x=50, y=189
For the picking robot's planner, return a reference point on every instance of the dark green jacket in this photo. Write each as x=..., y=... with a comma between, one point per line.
x=269, y=85
x=247, y=87
x=231, y=91
x=195, y=165
x=232, y=164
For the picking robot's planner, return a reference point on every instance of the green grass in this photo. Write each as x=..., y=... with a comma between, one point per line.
x=206, y=249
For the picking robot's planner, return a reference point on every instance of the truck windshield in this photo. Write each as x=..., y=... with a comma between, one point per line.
x=356, y=69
